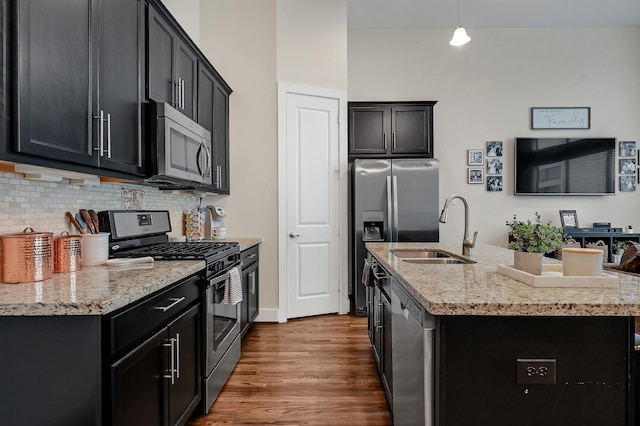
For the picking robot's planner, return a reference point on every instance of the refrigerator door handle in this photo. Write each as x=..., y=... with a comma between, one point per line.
x=389, y=212
x=394, y=236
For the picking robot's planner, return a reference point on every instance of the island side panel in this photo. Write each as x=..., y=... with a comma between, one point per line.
x=477, y=380
x=50, y=370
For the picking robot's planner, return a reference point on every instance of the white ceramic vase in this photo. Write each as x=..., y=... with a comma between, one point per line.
x=528, y=262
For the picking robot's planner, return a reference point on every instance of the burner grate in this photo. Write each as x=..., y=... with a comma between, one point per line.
x=182, y=251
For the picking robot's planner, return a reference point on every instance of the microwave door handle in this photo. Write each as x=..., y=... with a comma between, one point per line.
x=209, y=160
x=200, y=169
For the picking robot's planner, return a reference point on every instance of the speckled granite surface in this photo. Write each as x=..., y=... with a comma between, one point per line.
x=245, y=242
x=94, y=290
x=477, y=289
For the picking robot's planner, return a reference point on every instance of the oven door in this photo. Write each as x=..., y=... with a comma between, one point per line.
x=222, y=321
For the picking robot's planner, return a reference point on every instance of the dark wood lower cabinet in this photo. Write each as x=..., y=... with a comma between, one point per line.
x=250, y=288
x=158, y=382
x=138, y=386
x=91, y=370
x=477, y=381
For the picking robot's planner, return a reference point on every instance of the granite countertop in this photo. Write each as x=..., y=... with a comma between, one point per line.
x=245, y=242
x=94, y=290
x=478, y=289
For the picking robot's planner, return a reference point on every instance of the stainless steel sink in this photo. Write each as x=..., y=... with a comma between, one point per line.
x=419, y=254
x=429, y=257
x=438, y=261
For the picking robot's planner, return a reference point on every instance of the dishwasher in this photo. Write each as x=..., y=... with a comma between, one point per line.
x=413, y=334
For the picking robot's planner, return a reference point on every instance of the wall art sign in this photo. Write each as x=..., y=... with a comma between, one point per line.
x=561, y=118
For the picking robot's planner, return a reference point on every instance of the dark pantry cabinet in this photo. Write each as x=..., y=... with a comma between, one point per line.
x=390, y=129
x=78, y=92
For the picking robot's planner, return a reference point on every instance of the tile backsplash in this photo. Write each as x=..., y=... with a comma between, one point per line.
x=42, y=205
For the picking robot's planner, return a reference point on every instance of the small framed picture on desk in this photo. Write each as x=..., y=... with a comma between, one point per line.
x=569, y=218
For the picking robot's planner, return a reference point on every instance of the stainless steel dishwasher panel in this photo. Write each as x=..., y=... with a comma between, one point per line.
x=413, y=360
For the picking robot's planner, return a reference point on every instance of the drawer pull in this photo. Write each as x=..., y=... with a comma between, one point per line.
x=251, y=256
x=175, y=302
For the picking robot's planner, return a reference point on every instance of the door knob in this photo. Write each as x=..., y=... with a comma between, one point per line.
x=293, y=235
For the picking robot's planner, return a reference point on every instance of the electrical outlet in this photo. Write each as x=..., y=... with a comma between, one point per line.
x=536, y=371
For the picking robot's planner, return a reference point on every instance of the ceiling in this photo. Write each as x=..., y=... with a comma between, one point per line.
x=493, y=13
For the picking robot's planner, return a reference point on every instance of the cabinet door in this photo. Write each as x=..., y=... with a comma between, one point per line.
x=386, y=367
x=244, y=305
x=411, y=130
x=184, y=393
x=54, y=83
x=254, y=292
x=370, y=313
x=160, y=65
x=187, y=77
x=138, y=388
x=206, y=85
x=369, y=130
x=377, y=326
x=221, y=138
x=120, y=92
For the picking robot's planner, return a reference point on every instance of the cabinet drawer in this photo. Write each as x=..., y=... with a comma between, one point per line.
x=138, y=320
x=249, y=256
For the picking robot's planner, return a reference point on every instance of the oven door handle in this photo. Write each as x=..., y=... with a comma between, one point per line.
x=225, y=276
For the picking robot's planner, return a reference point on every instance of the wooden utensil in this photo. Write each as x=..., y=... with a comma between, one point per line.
x=94, y=219
x=74, y=222
x=87, y=218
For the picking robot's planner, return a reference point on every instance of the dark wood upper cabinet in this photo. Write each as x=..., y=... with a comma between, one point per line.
x=213, y=114
x=172, y=70
x=388, y=129
x=221, y=138
x=120, y=90
x=54, y=80
x=79, y=61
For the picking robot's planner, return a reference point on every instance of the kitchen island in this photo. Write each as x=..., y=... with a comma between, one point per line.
x=490, y=328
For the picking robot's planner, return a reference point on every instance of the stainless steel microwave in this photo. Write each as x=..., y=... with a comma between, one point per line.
x=181, y=148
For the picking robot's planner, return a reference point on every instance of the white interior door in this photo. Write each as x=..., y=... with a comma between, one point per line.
x=312, y=205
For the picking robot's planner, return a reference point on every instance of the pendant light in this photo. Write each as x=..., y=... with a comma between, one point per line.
x=460, y=36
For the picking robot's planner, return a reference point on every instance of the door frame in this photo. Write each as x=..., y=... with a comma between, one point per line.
x=343, y=235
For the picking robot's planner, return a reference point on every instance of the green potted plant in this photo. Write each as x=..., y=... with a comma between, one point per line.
x=531, y=240
x=619, y=246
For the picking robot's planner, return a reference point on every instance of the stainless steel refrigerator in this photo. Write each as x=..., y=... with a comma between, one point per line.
x=392, y=200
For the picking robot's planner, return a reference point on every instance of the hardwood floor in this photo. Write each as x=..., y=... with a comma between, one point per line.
x=310, y=371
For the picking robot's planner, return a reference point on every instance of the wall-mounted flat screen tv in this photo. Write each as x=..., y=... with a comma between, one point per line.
x=558, y=166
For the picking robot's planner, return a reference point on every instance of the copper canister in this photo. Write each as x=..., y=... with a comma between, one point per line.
x=67, y=253
x=26, y=257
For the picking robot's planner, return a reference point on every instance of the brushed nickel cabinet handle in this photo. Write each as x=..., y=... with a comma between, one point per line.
x=175, y=301
x=101, y=131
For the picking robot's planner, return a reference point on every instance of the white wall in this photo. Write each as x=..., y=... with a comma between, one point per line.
x=187, y=12
x=239, y=38
x=253, y=45
x=312, y=43
x=485, y=91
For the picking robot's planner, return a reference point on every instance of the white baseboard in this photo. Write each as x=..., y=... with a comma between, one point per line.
x=267, y=315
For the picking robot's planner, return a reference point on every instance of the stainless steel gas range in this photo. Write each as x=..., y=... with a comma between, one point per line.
x=145, y=233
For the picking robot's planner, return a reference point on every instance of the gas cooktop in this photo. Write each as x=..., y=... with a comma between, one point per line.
x=182, y=250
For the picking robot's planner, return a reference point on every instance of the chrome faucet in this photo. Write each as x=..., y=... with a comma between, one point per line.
x=467, y=243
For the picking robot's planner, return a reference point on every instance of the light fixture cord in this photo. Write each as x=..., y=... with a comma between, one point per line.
x=458, y=13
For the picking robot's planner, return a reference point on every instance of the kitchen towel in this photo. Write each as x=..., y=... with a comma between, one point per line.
x=233, y=287
x=366, y=274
